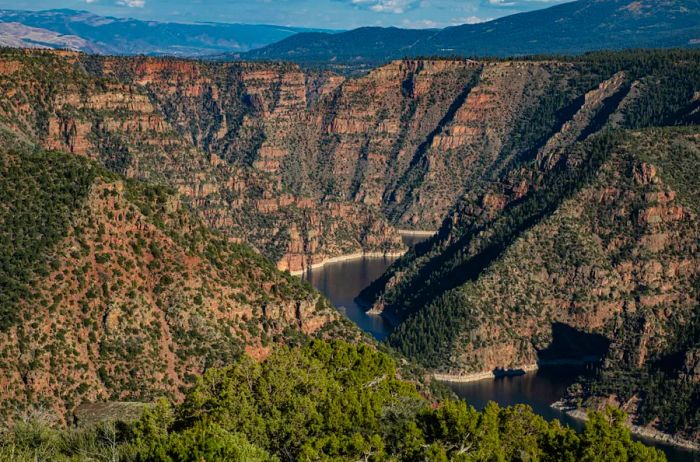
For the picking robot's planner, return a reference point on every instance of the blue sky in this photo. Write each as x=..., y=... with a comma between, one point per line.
x=336, y=14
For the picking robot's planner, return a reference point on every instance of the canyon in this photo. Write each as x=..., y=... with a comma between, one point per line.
x=559, y=202
x=303, y=165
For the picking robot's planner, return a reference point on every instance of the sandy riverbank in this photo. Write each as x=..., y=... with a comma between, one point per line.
x=514, y=371
x=358, y=255
x=348, y=257
x=478, y=376
x=411, y=232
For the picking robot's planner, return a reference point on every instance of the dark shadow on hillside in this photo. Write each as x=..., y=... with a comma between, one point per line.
x=503, y=372
x=456, y=264
x=573, y=346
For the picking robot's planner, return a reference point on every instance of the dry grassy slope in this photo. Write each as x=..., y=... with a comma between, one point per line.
x=14, y=34
x=135, y=294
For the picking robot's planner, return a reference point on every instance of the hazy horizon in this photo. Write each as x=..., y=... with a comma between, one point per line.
x=324, y=14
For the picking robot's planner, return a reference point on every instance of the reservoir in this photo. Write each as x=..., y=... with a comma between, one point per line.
x=342, y=281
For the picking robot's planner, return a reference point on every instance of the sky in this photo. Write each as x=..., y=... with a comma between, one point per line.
x=330, y=14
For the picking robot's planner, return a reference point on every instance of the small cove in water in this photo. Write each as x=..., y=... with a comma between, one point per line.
x=342, y=281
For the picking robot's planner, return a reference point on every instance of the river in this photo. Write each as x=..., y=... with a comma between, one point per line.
x=342, y=281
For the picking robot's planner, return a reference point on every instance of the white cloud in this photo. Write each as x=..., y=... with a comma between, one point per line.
x=474, y=20
x=90, y=1
x=522, y=3
x=468, y=20
x=132, y=3
x=386, y=6
x=420, y=24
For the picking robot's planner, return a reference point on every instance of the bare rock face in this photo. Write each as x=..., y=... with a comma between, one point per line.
x=316, y=135
x=259, y=148
x=215, y=133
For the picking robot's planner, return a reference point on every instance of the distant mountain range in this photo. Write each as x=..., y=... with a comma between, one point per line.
x=84, y=31
x=568, y=28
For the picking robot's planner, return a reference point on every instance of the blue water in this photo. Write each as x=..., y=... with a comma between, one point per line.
x=341, y=282
x=540, y=389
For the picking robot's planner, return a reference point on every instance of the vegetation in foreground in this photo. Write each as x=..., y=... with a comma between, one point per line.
x=324, y=401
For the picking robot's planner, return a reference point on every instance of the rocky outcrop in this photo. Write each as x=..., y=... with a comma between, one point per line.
x=594, y=103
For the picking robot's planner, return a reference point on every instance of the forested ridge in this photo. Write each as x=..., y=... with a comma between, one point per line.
x=112, y=289
x=324, y=401
x=606, y=208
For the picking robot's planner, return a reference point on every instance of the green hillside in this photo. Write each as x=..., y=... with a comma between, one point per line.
x=325, y=401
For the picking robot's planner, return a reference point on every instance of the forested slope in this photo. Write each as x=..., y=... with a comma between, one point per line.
x=325, y=401
x=598, y=260
x=112, y=289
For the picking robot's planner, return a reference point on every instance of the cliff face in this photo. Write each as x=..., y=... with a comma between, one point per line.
x=159, y=120
x=314, y=135
x=308, y=165
x=113, y=290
